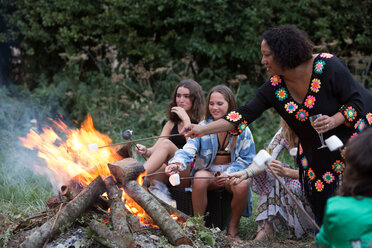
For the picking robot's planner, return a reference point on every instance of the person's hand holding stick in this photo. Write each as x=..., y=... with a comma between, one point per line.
x=262, y=160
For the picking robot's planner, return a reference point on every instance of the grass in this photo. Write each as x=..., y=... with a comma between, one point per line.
x=23, y=193
x=23, y=190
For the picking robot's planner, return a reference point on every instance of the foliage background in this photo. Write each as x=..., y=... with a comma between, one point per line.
x=120, y=60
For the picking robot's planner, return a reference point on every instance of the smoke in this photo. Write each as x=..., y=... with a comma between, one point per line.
x=161, y=191
x=19, y=114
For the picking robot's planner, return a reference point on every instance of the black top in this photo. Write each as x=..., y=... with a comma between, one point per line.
x=178, y=141
x=332, y=89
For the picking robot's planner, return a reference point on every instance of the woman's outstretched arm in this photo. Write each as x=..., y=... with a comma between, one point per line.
x=218, y=126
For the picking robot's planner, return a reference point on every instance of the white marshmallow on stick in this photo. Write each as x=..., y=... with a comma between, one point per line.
x=293, y=151
x=174, y=179
x=333, y=143
x=262, y=159
x=93, y=147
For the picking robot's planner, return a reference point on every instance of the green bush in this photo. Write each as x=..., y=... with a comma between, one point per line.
x=221, y=38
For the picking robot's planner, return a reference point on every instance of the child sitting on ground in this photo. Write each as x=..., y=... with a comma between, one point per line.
x=348, y=217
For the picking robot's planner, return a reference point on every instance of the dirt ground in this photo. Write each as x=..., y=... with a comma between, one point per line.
x=12, y=234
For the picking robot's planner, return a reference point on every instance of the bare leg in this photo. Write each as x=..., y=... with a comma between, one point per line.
x=160, y=155
x=238, y=204
x=165, y=178
x=199, y=191
x=267, y=231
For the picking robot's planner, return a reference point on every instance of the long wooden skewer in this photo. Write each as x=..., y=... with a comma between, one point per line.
x=143, y=139
x=201, y=177
x=294, y=198
x=162, y=172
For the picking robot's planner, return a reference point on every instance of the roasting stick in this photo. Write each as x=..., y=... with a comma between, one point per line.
x=202, y=177
x=263, y=160
x=94, y=147
x=163, y=172
x=294, y=198
x=333, y=143
x=127, y=134
x=175, y=179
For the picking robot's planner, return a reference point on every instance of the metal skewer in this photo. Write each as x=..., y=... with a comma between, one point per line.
x=201, y=177
x=95, y=147
x=154, y=173
x=127, y=134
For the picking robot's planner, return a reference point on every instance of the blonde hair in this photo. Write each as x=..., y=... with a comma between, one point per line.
x=288, y=134
x=230, y=99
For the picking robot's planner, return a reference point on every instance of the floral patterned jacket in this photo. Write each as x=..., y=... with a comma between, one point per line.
x=206, y=149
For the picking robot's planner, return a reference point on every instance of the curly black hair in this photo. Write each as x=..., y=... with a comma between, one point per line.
x=290, y=46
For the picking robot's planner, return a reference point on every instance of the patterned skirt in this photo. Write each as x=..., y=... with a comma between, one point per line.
x=276, y=206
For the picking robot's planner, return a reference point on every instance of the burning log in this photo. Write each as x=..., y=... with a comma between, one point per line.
x=170, y=227
x=118, y=215
x=103, y=231
x=125, y=170
x=181, y=216
x=126, y=151
x=72, y=188
x=67, y=215
x=69, y=191
x=55, y=201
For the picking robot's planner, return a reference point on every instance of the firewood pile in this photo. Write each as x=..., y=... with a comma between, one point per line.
x=76, y=200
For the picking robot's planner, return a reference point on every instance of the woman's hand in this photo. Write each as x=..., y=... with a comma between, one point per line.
x=277, y=167
x=141, y=149
x=192, y=131
x=181, y=112
x=237, y=177
x=221, y=180
x=324, y=123
x=173, y=168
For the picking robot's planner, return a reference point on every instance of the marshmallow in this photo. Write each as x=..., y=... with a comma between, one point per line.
x=262, y=159
x=93, y=147
x=127, y=134
x=293, y=152
x=333, y=143
x=174, y=179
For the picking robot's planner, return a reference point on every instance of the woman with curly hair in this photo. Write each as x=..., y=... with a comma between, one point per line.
x=348, y=217
x=303, y=84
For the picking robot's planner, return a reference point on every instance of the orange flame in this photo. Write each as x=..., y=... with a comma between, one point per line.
x=71, y=158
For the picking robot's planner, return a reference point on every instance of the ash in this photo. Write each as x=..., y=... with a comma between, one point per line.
x=72, y=238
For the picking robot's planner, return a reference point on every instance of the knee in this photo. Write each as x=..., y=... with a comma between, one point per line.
x=241, y=190
x=203, y=173
x=166, y=143
x=201, y=185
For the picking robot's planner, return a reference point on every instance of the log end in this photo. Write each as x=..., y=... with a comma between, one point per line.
x=125, y=170
x=125, y=151
x=183, y=241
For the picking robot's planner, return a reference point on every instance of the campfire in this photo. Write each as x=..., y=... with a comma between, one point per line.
x=97, y=180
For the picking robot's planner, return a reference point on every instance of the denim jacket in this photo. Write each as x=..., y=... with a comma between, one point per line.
x=206, y=147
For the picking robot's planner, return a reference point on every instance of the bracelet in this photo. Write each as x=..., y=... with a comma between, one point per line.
x=246, y=174
x=252, y=171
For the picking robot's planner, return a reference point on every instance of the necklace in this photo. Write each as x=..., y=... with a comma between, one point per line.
x=223, y=143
